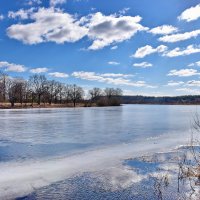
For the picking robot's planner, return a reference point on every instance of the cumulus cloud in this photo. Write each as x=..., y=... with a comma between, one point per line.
x=194, y=64
x=124, y=11
x=113, y=63
x=164, y=30
x=114, y=47
x=50, y=25
x=39, y=70
x=32, y=2
x=190, y=14
x=119, y=79
x=147, y=50
x=1, y=17
x=142, y=64
x=55, y=25
x=193, y=83
x=191, y=49
x=58, y=75
x=188, y=90
x=56, y=2
x=183, y=72
x=175, y=83
x=21, y=14
x=11, y=67
x=180, y=36
x=117, y=75
x=107, y=30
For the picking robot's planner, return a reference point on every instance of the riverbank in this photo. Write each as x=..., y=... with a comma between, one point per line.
x=46, y=105
x=35, y=105
x=70, y=105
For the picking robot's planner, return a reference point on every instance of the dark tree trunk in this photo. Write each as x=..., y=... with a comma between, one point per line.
x=4, y=89
x=39, y=99
x=74, y=101
x=32, y=99
x=12, y=104
x=12, y=101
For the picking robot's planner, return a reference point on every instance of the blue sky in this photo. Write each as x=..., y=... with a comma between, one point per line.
x=144, y=47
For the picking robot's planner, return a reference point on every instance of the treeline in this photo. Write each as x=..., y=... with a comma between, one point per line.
x=177, y=100
x=39, y=90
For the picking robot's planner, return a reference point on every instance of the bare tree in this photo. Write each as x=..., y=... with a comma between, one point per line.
x=4, y=81
x=12, y=91
x=51, y=85
x=76, y=94
x=26, y=92
x=95, y=93
x=20, y=85
x=39, y=86
x=39, y=89
x=160, y=184
x=113, y=96
x=66, y=93
x=56, y=92
x=60, y=92
x=112, y=92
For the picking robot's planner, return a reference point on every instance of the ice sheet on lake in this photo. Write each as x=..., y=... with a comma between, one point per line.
x=19, y=179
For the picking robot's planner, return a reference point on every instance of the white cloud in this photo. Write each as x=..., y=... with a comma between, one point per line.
x=114, y=47
x=117, y=75
x=180, y=36
x=107, y=30
x=56, y=2
x=194, y=64
x=21, y=14
x=163, y=30
x=58, y=75
x=134, y=93
x=119, y=79
x=32, y=2
x=147, y=50
x=113, y=63
x=11, y=67
x=54, y=25
x=193, y=83
x=190, y=14
x=189, y=91
x=124, y=11
x=183, y=72
x=142, y=65
x=175, y=83
x=1, y=17
x=50, y=25
x=39, y=70
x=191, y=49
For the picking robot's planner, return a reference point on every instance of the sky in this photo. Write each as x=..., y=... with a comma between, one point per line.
x=143, y=47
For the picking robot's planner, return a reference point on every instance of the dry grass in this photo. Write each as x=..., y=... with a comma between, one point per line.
x=35, y=105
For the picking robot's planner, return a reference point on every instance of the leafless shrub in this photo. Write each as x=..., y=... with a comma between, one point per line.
x=189, y=168
x=160, y=184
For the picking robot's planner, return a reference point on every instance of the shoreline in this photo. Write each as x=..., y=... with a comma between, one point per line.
x=6, y=106
x=29, y=106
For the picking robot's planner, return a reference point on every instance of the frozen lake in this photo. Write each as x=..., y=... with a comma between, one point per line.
x=40, y=147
